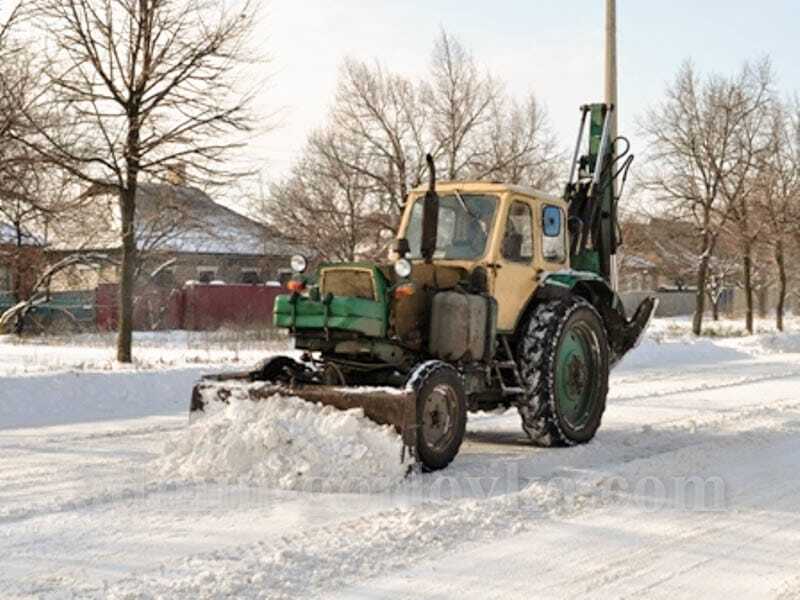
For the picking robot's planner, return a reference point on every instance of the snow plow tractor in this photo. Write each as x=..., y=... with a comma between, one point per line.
x=498, y=296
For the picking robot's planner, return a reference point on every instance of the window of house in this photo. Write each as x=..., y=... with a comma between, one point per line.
x=518, y=238
x=250, y=276
x=206, y=274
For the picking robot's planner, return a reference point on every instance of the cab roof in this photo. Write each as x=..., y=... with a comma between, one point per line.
x=495, y=187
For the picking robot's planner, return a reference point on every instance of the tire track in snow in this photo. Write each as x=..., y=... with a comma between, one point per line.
x=136, y=485
x=637, y=592
x=115, y=434
x=741, y=381
x=660, y=440
x=320, y=560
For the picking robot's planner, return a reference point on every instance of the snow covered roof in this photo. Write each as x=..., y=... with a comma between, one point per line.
x=175, y=218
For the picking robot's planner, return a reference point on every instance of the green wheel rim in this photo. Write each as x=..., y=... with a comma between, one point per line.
x=576, y=375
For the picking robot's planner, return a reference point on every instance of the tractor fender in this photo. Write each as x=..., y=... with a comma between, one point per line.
x=589, y=286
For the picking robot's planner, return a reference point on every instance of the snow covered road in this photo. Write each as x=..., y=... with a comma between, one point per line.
x=691, y=489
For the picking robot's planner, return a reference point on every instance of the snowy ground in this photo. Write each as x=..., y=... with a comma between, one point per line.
x=691, y=488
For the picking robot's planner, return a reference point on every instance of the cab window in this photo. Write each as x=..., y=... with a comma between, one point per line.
x=464, y=226
x=518, y=238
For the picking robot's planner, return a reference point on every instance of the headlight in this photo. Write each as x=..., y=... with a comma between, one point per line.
x=402, y=268
x=299, y=263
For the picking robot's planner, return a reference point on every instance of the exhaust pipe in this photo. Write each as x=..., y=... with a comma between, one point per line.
x=430, y=214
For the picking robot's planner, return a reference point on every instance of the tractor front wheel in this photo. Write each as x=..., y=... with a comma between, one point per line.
x=441, y=413
x=563, y=359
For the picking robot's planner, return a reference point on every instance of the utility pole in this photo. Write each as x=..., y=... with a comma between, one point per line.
x=611, y=64
x=611, y=100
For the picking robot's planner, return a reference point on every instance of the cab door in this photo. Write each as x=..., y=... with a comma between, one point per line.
x=514, y=272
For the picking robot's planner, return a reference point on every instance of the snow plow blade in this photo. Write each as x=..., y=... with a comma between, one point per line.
x=384, y=406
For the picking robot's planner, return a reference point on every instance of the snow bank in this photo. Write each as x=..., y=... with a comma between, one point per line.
x=653, y=353
x=783, y=343
x=286, y=443
x=84, y=397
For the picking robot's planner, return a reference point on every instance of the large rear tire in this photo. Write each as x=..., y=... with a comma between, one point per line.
x=441, y=413
x=563, y=357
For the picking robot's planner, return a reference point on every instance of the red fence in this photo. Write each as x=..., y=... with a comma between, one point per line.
x=196, y=307
x=212, y=306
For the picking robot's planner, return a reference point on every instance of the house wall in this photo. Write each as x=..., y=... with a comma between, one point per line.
x=682, y=303
x=764, y=302
x=80, y=277
x=188, y=267
x=670, y=304
x=227, y=268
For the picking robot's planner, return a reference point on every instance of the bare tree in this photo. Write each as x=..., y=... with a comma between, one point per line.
x=699, y=166
x=740, y=187
x=518, y=146
x=355, y=175
x=778, y=194
x=33, y=195
x=724, y=273
x=8, y=72
x=461, y=99
x=382, y=118
x=144, y=84
x=40, y=294
x=326, y=207
x=26, y=194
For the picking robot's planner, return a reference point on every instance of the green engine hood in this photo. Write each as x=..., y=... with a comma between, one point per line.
x=321, y=310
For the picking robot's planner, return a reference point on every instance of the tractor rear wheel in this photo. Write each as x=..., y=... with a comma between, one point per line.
x=441, y=413
x=564, y=361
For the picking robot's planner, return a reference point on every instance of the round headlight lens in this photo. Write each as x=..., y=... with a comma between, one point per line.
x=299, y=263
x=402, y=268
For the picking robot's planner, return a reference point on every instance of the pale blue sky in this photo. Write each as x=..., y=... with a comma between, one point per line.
x=551, y=47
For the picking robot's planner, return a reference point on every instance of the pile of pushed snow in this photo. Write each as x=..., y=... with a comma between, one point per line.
x=286, y=443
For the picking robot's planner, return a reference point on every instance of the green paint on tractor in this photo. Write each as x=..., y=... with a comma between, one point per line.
x=319, y=311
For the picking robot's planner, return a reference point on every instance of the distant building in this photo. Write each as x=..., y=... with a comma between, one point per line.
x=663, y=255
x=182, y=235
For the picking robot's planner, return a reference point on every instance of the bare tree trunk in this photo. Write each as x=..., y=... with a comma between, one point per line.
x=700, y=294
x=127, y=279
x=17, y=283
x=127, y=207
x=162, y=73
x=747, y=269
x=781, y=303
